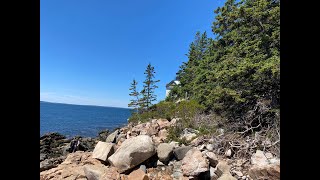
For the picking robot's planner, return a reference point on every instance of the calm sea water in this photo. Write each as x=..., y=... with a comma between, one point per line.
x=86, y=121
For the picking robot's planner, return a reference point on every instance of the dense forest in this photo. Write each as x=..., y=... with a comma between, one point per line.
x=233, y=79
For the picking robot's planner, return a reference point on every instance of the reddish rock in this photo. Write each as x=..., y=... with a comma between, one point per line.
x=72, y=167
x=270, y=172
x=138, y=175
x=194, y=163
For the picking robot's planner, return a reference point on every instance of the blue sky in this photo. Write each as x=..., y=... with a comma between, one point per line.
x=91, y=50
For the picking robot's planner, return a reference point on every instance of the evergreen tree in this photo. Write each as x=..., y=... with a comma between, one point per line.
x=134, y=102
x=241, y=67
x=149, y=86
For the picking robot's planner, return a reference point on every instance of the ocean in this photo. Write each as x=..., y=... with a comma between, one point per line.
x=86, y=121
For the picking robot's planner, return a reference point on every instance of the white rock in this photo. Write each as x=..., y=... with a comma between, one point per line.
x=209, y=147
x=228, y=153
x=259, y=159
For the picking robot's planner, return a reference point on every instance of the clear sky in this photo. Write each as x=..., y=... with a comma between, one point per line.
x=90, y=51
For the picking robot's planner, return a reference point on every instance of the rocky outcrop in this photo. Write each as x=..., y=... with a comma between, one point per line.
x=71, y=168
x=51, y=145
x=142, y=152
x=194, y=163
x=132, y=152
x=55, y=147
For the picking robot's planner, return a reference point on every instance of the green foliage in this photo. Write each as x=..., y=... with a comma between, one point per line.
x=165, y=109
x=149, y=86
x=174, y=133
x=234, y=72
x=142, y=117
x=186, y=110
x=135, y=95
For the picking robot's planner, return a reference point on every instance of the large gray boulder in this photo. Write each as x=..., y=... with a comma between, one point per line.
x=180, y=152
x=194, y=163
x=132, y=152
x=165, y=152
x=103, y=151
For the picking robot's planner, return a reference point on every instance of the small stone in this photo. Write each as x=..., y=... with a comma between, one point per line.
x=228, y=153
x=213, y=175
x=138, y=175
x=202, y=147
x=112, y=137
x=213, y=160
x=143, y=168
x=174, y=144
x=209, y=147
x=163, y=168
x=238, y=173
x=204, y=152
x=159, y=163
x=244, y=177
x=269, y=155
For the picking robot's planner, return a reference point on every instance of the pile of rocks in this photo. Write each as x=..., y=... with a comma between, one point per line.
x=55, y=147
x=140, y=153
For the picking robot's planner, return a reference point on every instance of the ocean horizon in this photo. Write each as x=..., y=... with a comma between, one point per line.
x=83, y=120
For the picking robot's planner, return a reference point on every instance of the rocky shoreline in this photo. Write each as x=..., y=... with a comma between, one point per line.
x=143, y=152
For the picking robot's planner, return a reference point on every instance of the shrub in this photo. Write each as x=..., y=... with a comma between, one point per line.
x=143, y=117
x=186, y=110
x=165, y=109
x=174, y=133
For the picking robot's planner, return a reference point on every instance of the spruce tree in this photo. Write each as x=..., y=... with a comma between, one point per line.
x=134, y=102
x=149, y=86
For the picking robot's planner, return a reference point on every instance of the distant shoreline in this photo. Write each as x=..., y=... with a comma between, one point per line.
x=83, y=105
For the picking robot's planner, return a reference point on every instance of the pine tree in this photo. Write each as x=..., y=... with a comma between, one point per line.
x=135, y=95
x=148, y=88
